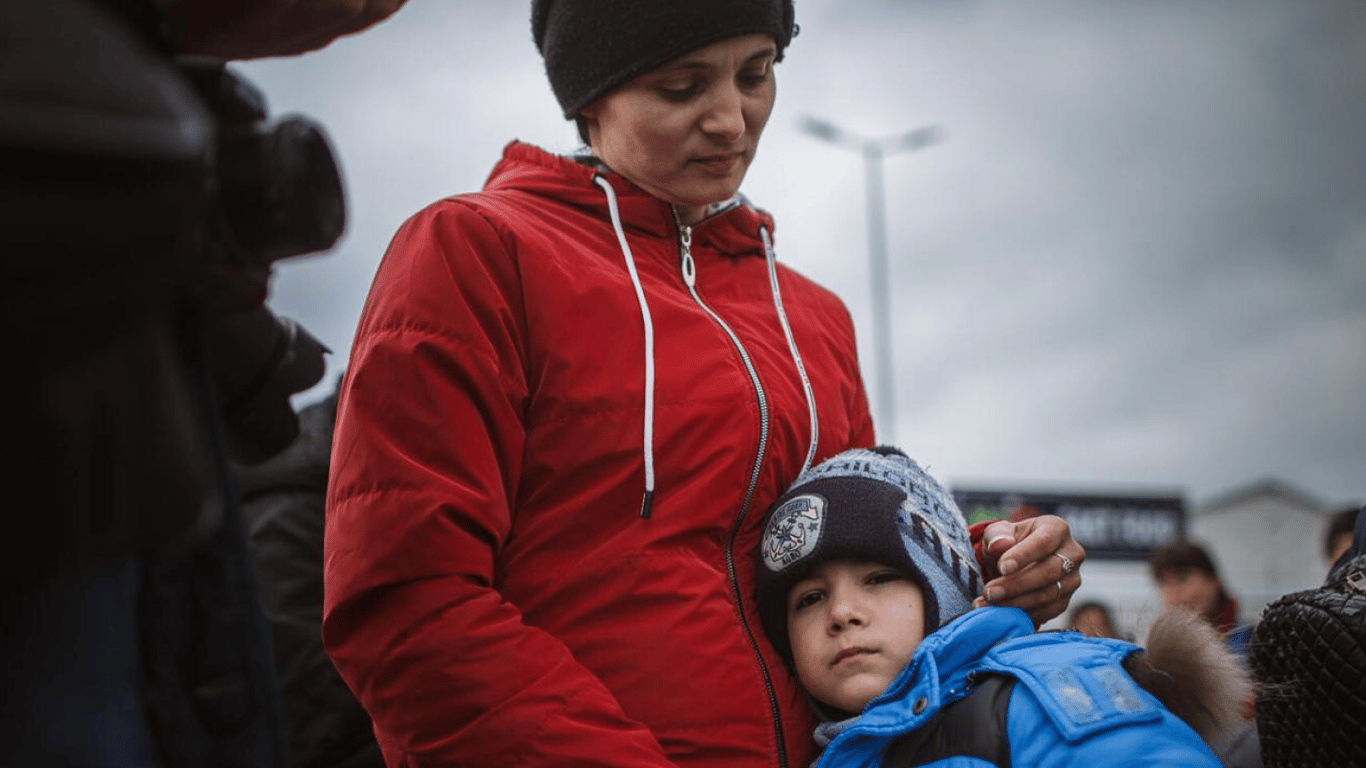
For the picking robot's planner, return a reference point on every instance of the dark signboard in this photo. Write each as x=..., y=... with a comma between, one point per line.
x=1110, y=527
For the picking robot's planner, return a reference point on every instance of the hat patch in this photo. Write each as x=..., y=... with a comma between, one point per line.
x=793, y=531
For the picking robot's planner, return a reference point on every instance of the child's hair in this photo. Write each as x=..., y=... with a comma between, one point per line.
x=874, y=505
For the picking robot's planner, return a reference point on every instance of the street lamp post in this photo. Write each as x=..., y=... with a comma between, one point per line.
x=873, y=151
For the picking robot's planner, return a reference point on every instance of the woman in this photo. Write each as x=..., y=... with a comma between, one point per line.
x=571, y=398
x=1188, y=579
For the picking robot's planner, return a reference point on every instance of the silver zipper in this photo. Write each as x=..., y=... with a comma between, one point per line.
x=688, y=269
x=686, y=264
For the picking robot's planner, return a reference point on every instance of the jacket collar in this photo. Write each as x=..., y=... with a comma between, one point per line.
x=940, y=665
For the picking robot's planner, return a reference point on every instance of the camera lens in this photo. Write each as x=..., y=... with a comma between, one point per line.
x=305, y=204
x=281, y=189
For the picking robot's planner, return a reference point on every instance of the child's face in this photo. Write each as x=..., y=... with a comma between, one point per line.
x=853, y=627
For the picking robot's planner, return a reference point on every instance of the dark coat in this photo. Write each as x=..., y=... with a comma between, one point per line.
x=1309, y=653
x=282, y=510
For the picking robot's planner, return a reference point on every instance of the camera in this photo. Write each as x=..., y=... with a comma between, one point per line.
x=274, y=191
x=146, y=188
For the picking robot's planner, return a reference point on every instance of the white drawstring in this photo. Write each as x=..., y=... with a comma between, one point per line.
x=648, y=501
x=772, y=259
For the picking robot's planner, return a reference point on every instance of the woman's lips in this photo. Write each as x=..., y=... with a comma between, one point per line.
x=720, y=164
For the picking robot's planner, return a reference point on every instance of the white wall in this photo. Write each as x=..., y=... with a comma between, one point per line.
x=1264, y=547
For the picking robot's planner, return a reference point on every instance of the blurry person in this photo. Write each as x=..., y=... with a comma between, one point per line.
x=130, y=626
x=1187, y=578
x=1309, y=653
x=1093, y=618
x=282, y=509
x=1337, y=535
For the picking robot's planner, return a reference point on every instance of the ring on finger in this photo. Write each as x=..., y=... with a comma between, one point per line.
x=1059, y=585
x=1067, y=565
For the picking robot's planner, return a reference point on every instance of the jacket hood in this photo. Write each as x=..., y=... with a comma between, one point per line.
x=1190, y=669
x=529, y=169
x=735, y=230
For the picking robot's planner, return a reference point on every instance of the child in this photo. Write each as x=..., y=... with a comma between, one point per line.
x=865, y=581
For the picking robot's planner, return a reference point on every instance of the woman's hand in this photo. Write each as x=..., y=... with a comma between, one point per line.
x=1032, y=564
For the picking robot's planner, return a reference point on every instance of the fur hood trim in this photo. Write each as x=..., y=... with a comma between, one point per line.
x=1186, y=665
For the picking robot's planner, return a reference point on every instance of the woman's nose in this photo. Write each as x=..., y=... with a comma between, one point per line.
x=725, y=116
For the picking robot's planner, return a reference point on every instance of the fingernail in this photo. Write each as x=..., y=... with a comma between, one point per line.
x=994, y=594
x=1008, y=567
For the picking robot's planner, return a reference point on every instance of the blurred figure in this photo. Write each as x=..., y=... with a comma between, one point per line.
x=1309, y=654
x=1337, y=536
x=1187, y=578
x=131, y=626
x=282, y=509
x=1093, y=618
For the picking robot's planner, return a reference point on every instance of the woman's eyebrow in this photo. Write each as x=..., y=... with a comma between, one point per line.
x=768, y=51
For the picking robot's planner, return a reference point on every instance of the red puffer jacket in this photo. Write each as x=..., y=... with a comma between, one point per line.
x=500, y=588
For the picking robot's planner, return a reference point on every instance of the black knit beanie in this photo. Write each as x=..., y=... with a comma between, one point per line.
x=873, y=505
x=593, y=46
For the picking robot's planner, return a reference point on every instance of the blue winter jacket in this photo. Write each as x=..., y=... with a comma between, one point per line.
x=985, y=689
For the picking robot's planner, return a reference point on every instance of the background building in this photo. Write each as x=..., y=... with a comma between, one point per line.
x=1267, y=539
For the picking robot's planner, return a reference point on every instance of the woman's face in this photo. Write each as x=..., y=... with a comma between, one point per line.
x=1191, y=589
x=687, y=131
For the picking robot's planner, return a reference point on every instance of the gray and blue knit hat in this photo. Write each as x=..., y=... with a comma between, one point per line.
x=874, y=505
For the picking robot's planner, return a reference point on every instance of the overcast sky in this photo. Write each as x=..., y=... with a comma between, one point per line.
x=1136, y=261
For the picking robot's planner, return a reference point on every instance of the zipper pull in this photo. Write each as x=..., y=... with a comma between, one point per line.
x=686, y=263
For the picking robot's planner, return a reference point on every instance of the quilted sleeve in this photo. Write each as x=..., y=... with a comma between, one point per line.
x=424, y=470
